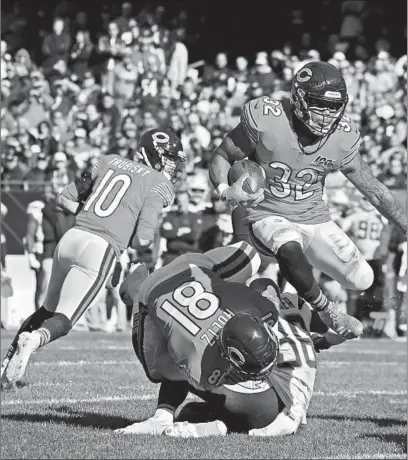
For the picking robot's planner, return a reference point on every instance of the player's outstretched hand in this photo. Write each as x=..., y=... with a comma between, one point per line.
x=236, y=195
x=131, y=284
x=153, y=425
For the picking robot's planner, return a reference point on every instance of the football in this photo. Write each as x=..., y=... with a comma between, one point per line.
x=256, y=179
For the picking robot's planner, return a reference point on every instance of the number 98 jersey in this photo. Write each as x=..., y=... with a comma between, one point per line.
x=126, y=198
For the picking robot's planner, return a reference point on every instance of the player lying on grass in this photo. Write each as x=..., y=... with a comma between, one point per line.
x=118, y=205
x=198, y=328
x=298, y=141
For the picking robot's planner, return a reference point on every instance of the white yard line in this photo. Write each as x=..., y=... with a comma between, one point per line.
x=151, y=396
x=329, y=363
x=352, y=394
x=336, y=363
x=84, y=363
x=340, y=350
x=364, y=457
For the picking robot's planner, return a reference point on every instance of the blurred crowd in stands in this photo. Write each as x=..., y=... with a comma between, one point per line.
x=85, y=93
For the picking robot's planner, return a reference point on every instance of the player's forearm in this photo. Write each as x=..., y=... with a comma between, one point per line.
x=68, y=205
x=389, y=206
x=219, y=167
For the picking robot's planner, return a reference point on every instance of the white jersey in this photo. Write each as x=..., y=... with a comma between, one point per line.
x=294, y=375
x=364, y=228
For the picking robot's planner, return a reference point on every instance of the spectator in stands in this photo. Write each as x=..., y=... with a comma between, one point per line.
x=110, y=49
x=180, y=228
x=80, y=53
x=38, y=174
x=56, y=46
x=177, y=62
x=125, y=79
x=394, y=176
x=123, y=20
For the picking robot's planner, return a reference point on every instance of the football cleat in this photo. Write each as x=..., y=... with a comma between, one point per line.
x=152, y=425
x=28, y=343
x=341, y=323
x=196, y=430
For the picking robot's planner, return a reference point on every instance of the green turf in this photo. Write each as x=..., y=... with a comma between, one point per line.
x=80, y=388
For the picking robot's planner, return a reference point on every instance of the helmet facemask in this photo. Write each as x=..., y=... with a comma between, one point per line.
x=165, y=162
x=321, y=115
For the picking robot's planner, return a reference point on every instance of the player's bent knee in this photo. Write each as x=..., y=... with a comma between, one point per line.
x=363, y=277
x=288, y=252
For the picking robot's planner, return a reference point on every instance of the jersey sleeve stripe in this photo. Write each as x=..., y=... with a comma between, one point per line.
x=238, y=261
x=165, y=193
x=251, y=132
x=353, y=150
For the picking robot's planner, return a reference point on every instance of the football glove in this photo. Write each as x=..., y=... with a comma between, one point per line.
x=320, y=343
x=84, y=186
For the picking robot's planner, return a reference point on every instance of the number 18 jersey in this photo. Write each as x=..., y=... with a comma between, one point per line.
x=126, y=199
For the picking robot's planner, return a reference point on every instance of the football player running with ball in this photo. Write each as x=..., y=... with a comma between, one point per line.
x=298, y=141
x=118, y=205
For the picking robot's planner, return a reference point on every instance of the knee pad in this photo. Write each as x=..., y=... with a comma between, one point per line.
x=363, y=277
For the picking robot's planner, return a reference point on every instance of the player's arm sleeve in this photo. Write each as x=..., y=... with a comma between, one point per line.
x=350, y=144
x=237, y=145
x=159, y=197
x=236, y=263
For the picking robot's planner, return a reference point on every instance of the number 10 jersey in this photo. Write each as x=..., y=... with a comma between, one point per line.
x=127, y=199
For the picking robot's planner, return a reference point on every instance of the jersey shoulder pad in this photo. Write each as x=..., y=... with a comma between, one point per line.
x=258, y=114
x=349, y=139
x=163, y=188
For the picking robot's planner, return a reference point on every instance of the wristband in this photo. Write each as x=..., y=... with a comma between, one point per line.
x=221, y=189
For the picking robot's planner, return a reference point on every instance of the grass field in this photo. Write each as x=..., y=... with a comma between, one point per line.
x=80, y=388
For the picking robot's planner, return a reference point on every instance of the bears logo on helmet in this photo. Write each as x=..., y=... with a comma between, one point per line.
x=161, y=149
x=249, y=345
x=319, y=97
